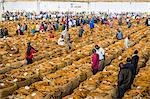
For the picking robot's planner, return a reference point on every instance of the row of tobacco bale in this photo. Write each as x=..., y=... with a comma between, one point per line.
x=103, y=84
x=57, y=87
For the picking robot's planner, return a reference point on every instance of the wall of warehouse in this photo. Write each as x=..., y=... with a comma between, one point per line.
x=78, y=6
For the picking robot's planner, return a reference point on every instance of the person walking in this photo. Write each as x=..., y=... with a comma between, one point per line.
x=127, y=42
x=29, y=53
x=147, y=22
x=95, y=62
x=61, y=41
x=129, y=24
x=135, y=59
x=51, y=35
x=81, y=30
x=111, y=24
x=68, y=41
x=25, y=27
x=119, y=35
x=33, y=27
x=101, y=52
x=132, y=69
x=120, y=21
x=124, y=79
x=91, y=26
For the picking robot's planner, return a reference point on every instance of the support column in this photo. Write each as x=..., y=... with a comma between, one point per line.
x=38, y=6
x=1, y=10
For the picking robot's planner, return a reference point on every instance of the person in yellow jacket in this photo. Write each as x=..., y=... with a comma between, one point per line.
x=33, y=27
x=60, y=28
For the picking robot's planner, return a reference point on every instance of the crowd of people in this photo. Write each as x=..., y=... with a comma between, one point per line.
x=126, y=74
x=61, y=22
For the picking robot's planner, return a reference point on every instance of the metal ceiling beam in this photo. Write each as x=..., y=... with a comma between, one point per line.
x=83, y=0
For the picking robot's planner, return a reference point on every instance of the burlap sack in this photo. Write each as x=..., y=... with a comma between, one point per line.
x=26, y=82
x=49, y=96
x=18, y=64
x=65, y=89
x=7, y=91
x=4, y=70
x=75, y=82
x=34, y=78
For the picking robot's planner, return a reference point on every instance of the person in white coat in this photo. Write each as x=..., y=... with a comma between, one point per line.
x=61, y=41
x=127, y=42
x=101, y=52
x=64, y=32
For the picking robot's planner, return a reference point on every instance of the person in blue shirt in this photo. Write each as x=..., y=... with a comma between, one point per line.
x=91, y=26
x=56, y=25
x=129, y=24
x=119, y=35
x=77, y=22
x=63, y=26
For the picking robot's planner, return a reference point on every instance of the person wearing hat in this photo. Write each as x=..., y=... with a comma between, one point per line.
x=29, y=53
x=101, y=52
x=124, y=79
x=95, y=61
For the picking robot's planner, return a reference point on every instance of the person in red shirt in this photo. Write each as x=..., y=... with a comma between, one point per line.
x=95, y=61
x=51, y=35
x=29, y=53
x=138, y=20
x=42, y=28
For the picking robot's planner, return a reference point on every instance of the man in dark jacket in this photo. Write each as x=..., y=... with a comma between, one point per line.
x=5, y=32
x=124, y=79
x=135, y=59
x=25, y=27
x=81, y=30
x=147, y=23
x=130, y=65
x=1, y=33
x=132, y=68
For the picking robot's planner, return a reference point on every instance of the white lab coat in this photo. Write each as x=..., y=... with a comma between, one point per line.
x=61, y=41
x=126, y=42
x=101, y=53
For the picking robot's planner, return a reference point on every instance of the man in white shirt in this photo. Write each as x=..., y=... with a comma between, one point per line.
x=61, y=41
x=70, y=23
x=127, y=20
x=64, y=32
x=127, y=42
x=37, y=28
x=101, y=52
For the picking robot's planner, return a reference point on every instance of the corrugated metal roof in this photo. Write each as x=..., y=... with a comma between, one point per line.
x=85, y=0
